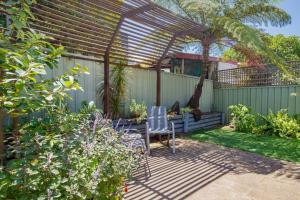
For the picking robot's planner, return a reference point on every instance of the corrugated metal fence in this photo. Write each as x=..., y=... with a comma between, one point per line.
x=260, y=99
x=141, y=86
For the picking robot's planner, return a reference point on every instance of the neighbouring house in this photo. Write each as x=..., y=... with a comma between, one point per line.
x=191, y=64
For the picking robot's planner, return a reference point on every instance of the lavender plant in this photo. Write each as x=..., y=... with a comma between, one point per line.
x=84, y=159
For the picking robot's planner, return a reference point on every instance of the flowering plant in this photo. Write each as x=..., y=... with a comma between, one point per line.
x=73, y=156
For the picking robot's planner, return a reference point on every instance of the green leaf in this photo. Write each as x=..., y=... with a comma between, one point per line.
x=8, y=103
x=20, y=72
x=49, y=98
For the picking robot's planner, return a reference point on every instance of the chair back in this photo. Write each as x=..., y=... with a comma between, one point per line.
x=157, y=118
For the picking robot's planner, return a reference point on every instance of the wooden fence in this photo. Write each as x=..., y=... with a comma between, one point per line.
x=141, y=86
x=260, y=99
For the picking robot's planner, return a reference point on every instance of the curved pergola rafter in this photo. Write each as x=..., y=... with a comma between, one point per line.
x=135, y=31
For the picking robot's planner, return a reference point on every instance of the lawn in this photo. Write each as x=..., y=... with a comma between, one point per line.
x=271, y=146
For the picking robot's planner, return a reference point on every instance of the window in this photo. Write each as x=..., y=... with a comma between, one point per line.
x=176, y=66
x=192, y=67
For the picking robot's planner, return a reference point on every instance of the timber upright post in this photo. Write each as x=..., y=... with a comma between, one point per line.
x=128, y=14
x=106, y=83
x=158, y=84
x=158, y=70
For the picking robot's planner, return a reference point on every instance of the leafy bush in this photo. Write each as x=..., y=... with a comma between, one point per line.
x=138, y=111
x=280, y=124
x=25, y=58
x=185, y=110
x=68, y=157
x=62, y=155
x=117, y=89
x=241, y=118
x=297, y=117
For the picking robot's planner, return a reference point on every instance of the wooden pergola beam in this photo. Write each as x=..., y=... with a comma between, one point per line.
x=106, y=67
x=139, y=10
x=102, y=22
x=158, y=70
x=128, y=14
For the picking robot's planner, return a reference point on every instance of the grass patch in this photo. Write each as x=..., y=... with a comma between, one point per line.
x=271, y=146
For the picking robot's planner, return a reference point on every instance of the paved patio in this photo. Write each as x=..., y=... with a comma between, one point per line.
x=207, y=171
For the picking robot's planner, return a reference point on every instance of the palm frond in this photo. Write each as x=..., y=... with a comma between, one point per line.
x=264, y=14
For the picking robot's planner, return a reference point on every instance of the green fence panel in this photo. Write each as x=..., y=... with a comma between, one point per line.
x=141, y=86
x=260, y=99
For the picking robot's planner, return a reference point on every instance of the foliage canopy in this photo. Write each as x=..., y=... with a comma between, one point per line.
x=285, y=47
x=233, y=22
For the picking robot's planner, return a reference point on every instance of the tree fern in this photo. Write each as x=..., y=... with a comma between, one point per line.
x=233, y=20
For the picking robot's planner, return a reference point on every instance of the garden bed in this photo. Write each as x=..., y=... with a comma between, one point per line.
x=183, y=123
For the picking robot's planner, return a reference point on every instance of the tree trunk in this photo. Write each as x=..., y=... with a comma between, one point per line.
x=194, y=100
x=2, y=114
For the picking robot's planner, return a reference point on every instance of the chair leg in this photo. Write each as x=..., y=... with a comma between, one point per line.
x=147, y=163
x=173, y=138
x=148, y=141
x=159, y=138
x=173, y=142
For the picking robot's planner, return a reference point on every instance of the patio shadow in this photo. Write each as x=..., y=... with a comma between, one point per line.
x=194, y=166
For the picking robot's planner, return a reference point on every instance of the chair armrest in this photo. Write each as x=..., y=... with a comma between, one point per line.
x=132, y=131
x=171, y=125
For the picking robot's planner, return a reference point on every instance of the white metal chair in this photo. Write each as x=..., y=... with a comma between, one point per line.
x=157, y=124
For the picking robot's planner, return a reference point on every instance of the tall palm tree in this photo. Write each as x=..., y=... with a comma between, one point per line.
x=228, y=22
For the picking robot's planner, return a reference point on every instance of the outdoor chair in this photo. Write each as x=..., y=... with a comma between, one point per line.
x=157, y=124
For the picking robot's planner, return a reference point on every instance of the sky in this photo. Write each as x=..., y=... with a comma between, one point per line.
x=293, y=8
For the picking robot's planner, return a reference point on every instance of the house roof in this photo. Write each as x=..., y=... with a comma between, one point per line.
x=200, y=57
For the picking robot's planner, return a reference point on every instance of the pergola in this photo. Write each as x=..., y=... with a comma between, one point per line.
x=113, y=31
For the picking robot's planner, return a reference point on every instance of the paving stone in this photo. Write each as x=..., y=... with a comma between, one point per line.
x=208, y=171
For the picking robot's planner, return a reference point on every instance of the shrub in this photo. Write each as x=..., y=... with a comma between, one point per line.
x=138, y=111
x=241, y=118
x=297, y=117
x=62, y=155
x=185, y=110
x=280, y=124
x=25, y=58
x=68, y=157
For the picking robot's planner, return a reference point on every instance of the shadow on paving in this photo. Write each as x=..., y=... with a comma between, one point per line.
x=194, y=166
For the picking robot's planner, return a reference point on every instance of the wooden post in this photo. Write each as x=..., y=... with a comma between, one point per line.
x=128, y=14
x=106, y=83
x=158, y=69
x=158, y=84
x=186, y=122
x=223, y=118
